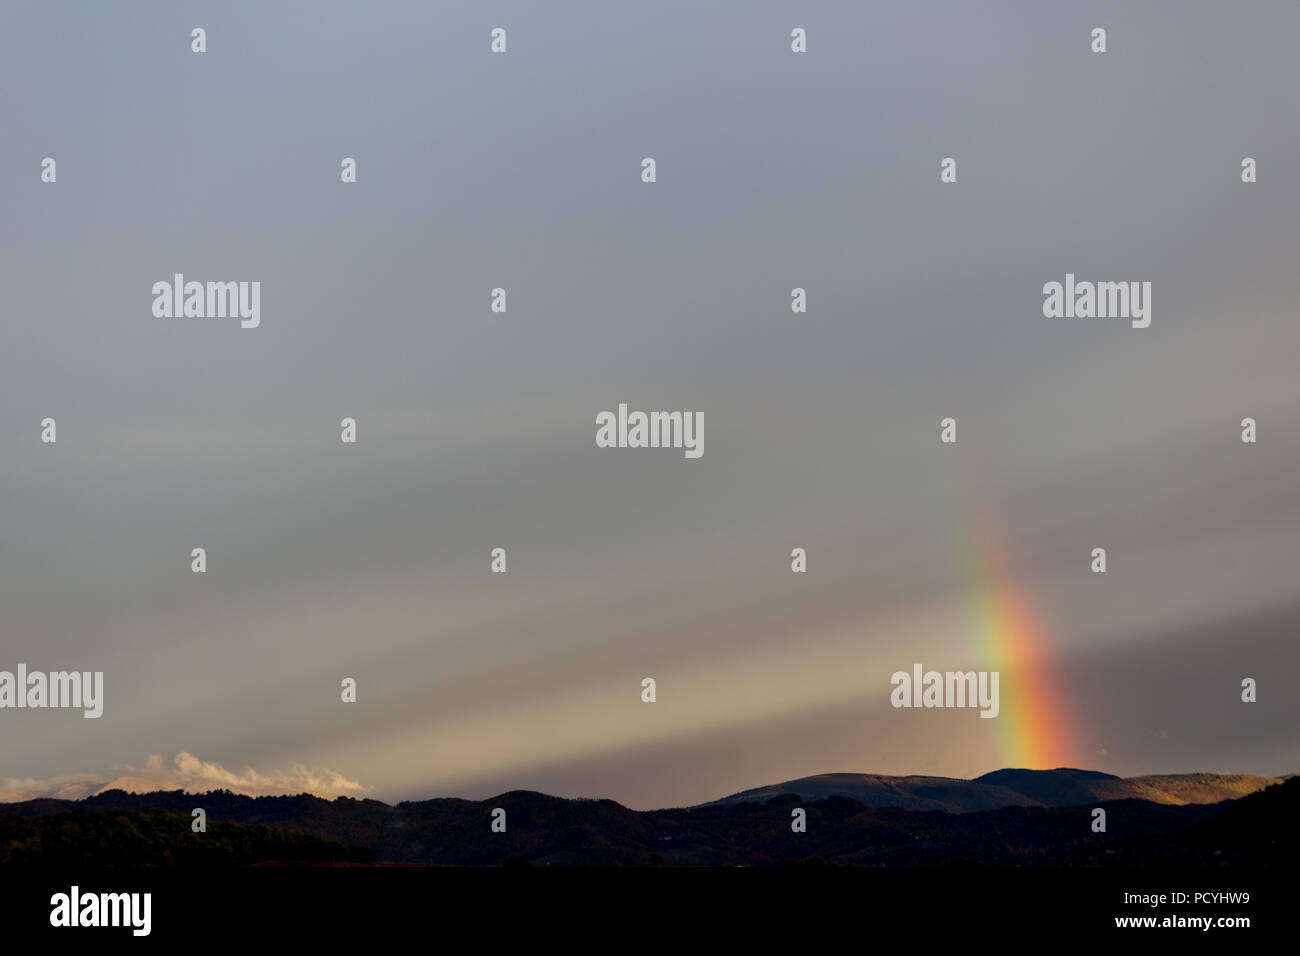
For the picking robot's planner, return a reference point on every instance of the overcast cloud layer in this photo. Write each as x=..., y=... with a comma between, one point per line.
x=476, y=430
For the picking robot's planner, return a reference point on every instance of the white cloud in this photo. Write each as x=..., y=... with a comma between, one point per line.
x=188, y=773
x=14, y=789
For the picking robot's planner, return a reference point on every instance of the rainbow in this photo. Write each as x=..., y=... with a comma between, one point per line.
x=1011, y=638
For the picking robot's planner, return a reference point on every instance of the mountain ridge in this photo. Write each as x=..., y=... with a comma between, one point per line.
x=1004, y=787
x=1010, y=786
x=1260, y=828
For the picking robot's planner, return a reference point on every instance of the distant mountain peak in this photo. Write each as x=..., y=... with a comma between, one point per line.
x=1009, y=773
x=1009, y=786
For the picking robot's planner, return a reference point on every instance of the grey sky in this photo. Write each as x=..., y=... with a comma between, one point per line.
x=477, y=430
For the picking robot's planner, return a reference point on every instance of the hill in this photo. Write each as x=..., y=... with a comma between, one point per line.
x=81, y=837
x=541, y=829
x=1063, y=787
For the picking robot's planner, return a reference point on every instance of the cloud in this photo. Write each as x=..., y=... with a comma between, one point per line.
x=15, y=789
x=187, y=773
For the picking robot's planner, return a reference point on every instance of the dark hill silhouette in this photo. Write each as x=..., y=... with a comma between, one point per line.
x=909, y=793
x=1062, y=787
x=118, y=837
x=1261, y=830
x=840, y=830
